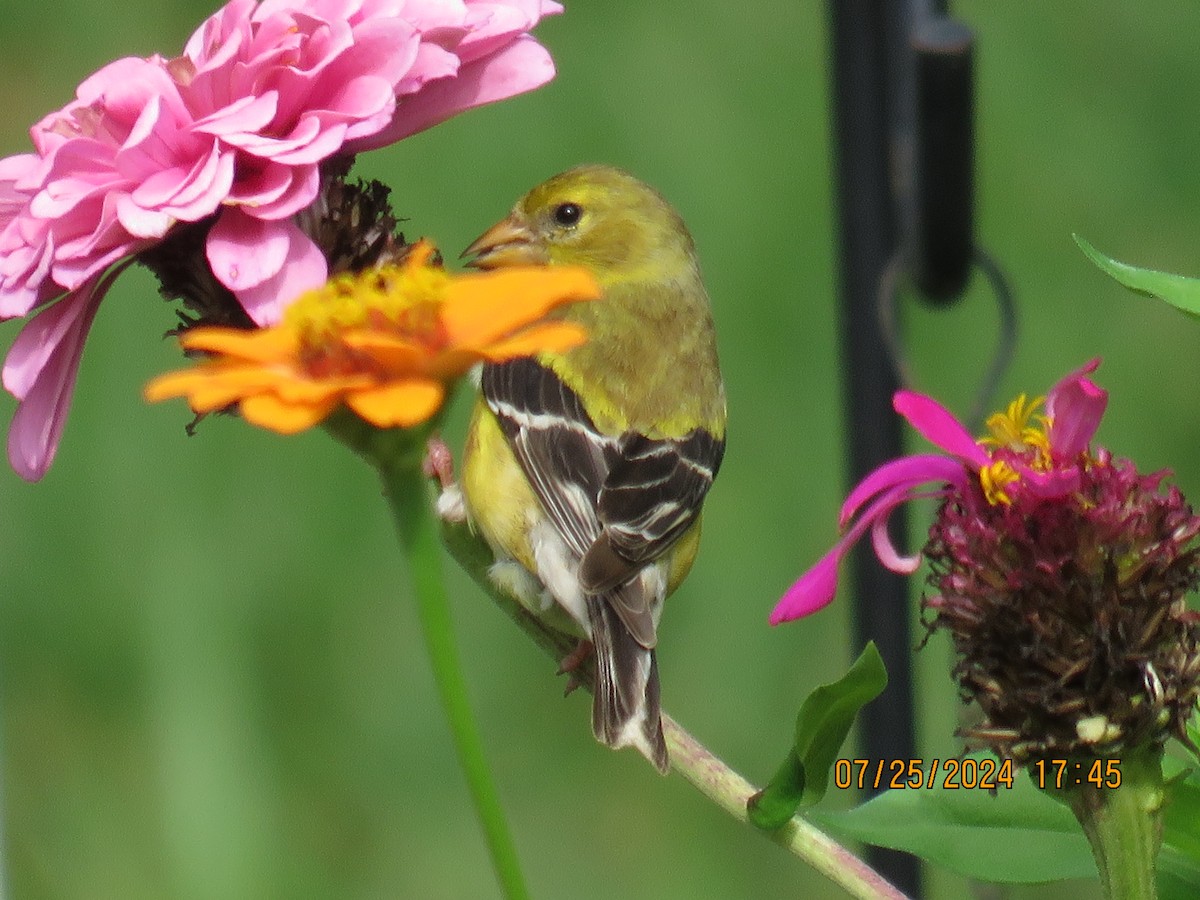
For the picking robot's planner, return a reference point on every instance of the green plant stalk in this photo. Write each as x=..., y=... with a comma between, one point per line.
x=730, y=791
x=1124, y=825
x=406, y=495
x=706, y=772
x=397, y=455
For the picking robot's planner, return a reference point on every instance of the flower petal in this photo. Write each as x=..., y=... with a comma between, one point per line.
x=210, y=387
x=40, y=371
x=816, y=588
x=302, y=268
x=393, y=354
x=482, y=307
x=266, y=345
x=549, y=337
x=812, y=591
x=937, y=425
x=908, y=472
x=399, y=404
x=282, y=417
x=244, y=251
x=521, y=66
x=1075, y=407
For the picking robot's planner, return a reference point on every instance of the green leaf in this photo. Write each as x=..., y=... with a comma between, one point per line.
x=1180, y=291
x=1018, y=835
x=774, y=805
x=1179, y=861
x=821, y=727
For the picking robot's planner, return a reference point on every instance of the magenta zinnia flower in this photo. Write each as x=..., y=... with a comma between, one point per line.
x=1059, y=571
x=1040, y=455
x=235, y=130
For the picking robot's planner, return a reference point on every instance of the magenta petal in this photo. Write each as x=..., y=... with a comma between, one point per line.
x=1075, y=406
x=885, y=550
x=812, y=591
x=908, y=472
x=303, y=269
x=1057, y=482
x=40, y=371
x=816, y=588
x=937, y=425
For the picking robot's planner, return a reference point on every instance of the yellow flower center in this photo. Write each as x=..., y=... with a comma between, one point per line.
x=405, y=301
x=994, y=478
x=1020, y=430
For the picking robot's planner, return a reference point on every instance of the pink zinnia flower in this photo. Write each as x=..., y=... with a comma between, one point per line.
x=235, y=128
x=1040, y=456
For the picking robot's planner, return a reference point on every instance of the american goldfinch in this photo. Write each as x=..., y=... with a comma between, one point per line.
x=585, y=471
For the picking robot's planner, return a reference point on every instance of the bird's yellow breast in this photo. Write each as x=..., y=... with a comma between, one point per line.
x=500, y=501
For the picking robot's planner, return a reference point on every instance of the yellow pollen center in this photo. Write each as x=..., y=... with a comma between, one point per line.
x=1020, y=430
x=405, y=302
x=994, y=478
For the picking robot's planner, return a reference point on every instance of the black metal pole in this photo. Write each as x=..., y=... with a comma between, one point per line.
x=869, y=38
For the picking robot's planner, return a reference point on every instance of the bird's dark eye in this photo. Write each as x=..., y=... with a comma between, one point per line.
x=567, y=214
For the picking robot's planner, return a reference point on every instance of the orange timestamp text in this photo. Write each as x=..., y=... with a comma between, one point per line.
x=1066, y=773
x=949, y=774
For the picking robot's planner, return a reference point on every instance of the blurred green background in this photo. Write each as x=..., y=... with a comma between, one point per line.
x=211, y=680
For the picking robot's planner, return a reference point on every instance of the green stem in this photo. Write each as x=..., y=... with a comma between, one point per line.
x=706, y=772
x=405, y=490
x=729, y=790
x=1123, y=824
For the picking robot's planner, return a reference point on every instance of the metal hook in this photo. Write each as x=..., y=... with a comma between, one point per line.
x=889, y=298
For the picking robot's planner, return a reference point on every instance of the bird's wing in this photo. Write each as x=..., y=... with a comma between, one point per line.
x=555, y=442
x=651, y=496
x=619, y=503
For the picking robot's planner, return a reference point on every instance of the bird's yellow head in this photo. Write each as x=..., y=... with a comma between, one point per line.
x=595, y=216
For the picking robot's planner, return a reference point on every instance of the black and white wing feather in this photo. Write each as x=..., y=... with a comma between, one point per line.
x=618, y=503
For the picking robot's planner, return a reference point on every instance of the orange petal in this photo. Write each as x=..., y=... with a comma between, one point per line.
x=481, y=307
x=211, y=387
x=302, y=389
x=393, y=354
x=269, y=411
x=400, y=403
x=550, y=337
x=259, y=345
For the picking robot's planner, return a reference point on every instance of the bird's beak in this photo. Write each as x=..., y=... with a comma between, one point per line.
x=507, y=243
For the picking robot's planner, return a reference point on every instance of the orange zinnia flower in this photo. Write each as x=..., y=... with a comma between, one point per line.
x=384, y=342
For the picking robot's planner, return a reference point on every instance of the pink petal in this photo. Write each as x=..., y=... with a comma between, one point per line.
x=938, y=426
x=1075, y=406
x=246, y=114
x=521, y=66
x=303, y=269
x=908, y=472
x=299, y=191
x=244, y=251
x=40, y=371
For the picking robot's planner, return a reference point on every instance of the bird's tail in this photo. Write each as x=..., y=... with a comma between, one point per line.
x=625, y=709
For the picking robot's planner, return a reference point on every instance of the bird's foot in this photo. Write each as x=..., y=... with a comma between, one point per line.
x=570, y=665
x=439, y=463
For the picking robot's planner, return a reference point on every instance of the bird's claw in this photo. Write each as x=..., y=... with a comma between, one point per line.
x=570, y=665
x=438, y=462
